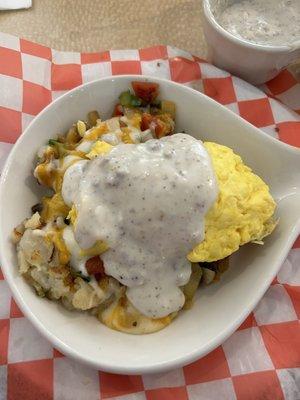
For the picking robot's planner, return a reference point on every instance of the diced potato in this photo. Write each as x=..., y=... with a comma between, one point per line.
x=85, y=297
x=168, y=107
x=223, y=265
x=36, y=247
x=190, y=288
x=113, y=124
x=208, y=275
x=17, y=233
x=92, y=117
x=23, y=264
x=81, y=128
x=34, y=222
x=72, y=136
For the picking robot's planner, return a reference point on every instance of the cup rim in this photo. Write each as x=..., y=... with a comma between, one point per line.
x=236, y=40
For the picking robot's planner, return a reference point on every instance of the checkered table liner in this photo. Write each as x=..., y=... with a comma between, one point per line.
x=261, y=359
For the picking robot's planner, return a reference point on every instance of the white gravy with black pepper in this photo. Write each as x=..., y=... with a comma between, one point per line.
x=148, y=203
x=273, y=22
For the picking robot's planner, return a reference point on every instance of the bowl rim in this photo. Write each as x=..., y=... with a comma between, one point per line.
x=154, y=367
x=240, y=41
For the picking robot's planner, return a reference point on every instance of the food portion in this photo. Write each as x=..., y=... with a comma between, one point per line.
x=147, y=202
x=261, y=21
x=139, y=215
x=243, y=211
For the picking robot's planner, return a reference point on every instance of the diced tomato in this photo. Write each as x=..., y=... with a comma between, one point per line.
x=146, y=120
x=147, y=91
x=118, y=110
x=94, y=266
x=160, y=129
x=154, y=124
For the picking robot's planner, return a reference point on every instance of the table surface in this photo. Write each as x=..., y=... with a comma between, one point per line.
x=93, y=25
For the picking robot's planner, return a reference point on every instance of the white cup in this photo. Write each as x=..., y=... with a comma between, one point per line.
x=252, y=62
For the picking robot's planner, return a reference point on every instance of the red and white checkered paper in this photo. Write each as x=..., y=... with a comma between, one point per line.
x=261, y=360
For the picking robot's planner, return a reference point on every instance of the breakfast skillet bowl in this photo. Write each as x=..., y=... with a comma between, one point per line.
x=217, y=309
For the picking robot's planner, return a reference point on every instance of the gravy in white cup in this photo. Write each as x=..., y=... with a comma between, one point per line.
x=251, y=51
x=267, y=22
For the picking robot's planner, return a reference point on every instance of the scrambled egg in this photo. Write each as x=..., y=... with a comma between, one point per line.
x=243, y=211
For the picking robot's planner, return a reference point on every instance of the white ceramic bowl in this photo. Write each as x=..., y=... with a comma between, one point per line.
x=253, y=62
x=220, y=308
